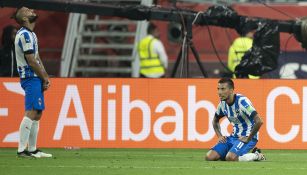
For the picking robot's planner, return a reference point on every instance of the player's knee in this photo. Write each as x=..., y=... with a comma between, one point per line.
x=31, y=114
x=231, y=158
x=39, y=112
x=207, y=158
x=38, y=115
x=211, y=157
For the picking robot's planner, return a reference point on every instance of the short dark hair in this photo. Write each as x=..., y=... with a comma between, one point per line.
x=151, y=28
x=228, y=81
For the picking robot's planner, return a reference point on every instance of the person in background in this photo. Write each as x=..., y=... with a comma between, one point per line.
x=8, y=67
x=237, y=50
x=153, y=58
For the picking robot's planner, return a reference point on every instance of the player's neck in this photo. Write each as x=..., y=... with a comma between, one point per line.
x=231, y=99
x=29, y=26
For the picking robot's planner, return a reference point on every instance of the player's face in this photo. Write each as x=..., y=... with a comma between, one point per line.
x=224, y=91
x=29, y=14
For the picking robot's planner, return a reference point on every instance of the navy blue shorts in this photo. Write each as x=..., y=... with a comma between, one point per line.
x=34, y=96
x=234, y=145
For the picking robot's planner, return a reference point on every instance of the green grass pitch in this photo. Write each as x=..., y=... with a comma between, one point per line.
x=148, y=162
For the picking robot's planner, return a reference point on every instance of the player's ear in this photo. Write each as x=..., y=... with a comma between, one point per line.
x=24, y=19
x=231, y=89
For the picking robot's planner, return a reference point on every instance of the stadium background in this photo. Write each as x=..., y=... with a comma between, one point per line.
x=80, y=115
x=51, y=41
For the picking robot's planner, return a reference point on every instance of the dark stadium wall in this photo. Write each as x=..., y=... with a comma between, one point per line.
x=50, y=30
x=50, y=27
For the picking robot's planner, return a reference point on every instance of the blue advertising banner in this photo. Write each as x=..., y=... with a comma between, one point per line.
x=291, y=65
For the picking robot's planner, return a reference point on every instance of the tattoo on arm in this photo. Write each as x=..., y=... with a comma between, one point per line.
x=257, y=125
x=216, y=126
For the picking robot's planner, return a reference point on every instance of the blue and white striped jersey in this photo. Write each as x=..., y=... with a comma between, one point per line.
x=240, y=114
x=25, y=43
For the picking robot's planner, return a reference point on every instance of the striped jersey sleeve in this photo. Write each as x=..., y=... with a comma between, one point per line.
x=247, y=107
x=219, y=112
x=26, y=43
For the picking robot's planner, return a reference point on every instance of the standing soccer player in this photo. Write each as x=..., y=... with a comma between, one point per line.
x=245, y=121
x=33, y=79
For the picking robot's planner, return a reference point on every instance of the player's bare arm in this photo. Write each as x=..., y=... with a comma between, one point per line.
x=38, y=70
x=258, y=122
x=41, y=63
x=46, y=84
x=217, y=129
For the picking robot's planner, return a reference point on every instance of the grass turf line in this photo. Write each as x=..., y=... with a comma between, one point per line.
x=149, y=162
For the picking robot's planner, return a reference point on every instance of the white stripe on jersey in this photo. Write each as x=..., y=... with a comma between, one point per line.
x=27, y=44
x=22, y=72
x=240, y=145
x=247, y=121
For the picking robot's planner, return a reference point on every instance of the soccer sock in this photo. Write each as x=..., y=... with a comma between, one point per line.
x=24, y=132
x=248, y=157
x=33, y=136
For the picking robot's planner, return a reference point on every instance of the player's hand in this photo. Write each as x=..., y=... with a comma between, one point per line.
x=222, y=139
x=46, y=84
x=244, y=139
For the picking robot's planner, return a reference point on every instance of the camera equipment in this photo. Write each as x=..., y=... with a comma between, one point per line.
x=261, y=59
